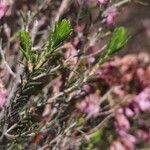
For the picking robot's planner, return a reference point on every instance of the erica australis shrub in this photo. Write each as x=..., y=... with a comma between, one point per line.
x=62, y=85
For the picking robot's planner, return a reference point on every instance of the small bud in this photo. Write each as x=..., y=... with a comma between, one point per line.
x=111, y=16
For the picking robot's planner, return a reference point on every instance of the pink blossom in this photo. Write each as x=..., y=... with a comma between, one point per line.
x=117, y=145
x=56, y=84
x=3, y=8
x=91, y=60
x=123, y=126
x=126, y=142
x=112, y=14
x=3, y=95
x=122, y=123
x=143, y=100
x=119, y=91
x=86, y=88
x=129, y=141
x=143, y=135
x=90, y=105
x=140, y=72
x=135, y=108
x=128, y=112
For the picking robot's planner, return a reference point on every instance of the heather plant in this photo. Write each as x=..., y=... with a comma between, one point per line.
x=68, y=90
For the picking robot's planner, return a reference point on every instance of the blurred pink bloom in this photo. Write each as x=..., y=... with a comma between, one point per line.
x=103, y=1
x=119, y=91
x=56, y=84
x=3, y=8
x=129, y=141
x=3, y=95
x=121, y=122
x=86, y=88
x=128, y=112
x=143, y=135
x=143, y=100
x=147, y=75
x=90, y=105
x=123, y=126
x=140, y=72
x=112, y=14
x=136, y=109
x=117, y=145
x=91, y=60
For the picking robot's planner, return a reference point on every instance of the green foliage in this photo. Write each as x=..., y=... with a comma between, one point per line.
x=25, y=41
x=118, y=40
x=101, y=138
x=61, y=32
x=26, y=46
x=96, y=137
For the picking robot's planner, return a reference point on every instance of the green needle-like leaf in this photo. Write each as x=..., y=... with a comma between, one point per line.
x=26, y=46
x=61, y=32
x=118, y=40
x=25, y=42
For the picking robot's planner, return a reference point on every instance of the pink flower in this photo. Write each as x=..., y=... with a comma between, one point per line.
x=86, y=88
x=90, y=105
x=119, y=91
x=129, y=141
x=91, y=60
x=143, y=100
x=56, y=85
x=117, y=145
x=126, y=142
x=121, y=122
x=128, y=112
x=3, y=8
x=111, y=16
x=143, y=135
x=3, y=95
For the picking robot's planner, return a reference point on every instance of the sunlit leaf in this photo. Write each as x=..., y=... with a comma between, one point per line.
x=118, y=40
x=26, y=46
x=25, y=42
x=61, y=32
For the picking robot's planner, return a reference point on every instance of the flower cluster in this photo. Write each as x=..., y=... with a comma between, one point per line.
x=111, y=16
x=140, y=104
x=90, y=105
x=3, y=8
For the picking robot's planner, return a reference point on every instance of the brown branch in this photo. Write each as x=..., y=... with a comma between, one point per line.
x=64, y=5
